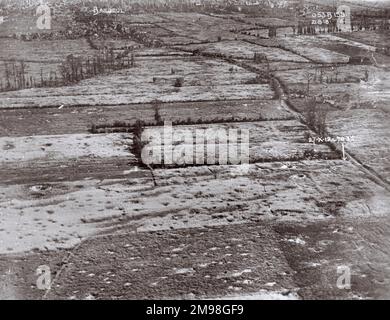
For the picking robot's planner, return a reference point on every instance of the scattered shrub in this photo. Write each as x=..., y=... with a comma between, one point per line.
x=138, y=144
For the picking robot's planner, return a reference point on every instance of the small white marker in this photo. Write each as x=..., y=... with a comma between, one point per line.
x=60, y=107
x=344, y=157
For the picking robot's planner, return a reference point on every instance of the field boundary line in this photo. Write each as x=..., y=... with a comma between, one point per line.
x=371, y=173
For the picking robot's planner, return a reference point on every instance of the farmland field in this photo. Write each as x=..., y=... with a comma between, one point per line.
x=43, y=50
x=150, y=80
x=306, y=111
x=244, y=50
x=316, y=54
x=46, y=121
x=368, y=37
x=44, y=57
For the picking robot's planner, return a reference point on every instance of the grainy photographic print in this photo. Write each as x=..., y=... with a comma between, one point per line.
x=194, y=149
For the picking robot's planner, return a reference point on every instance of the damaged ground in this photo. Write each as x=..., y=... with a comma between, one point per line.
x=280, y=227
x=256, y=260
x=278, y=231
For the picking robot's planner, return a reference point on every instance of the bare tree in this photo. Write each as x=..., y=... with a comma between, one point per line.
x=321, y=117
x=366, y=75
x=42, y=82
x=310, y=113
x=22, y=74
x=132, y=60
x=316, y=117
x=7, y=75
x=336, y=72
x=308, y=77
x=157, y=115
x=14, y=74
x=321, y=75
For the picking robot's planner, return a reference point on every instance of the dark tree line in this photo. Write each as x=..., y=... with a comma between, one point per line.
x=15, y=76
x=72, y=70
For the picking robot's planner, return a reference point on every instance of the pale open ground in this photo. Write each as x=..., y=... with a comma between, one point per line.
x=277, y=228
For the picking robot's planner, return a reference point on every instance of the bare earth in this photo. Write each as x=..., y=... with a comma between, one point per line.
x=279, y=227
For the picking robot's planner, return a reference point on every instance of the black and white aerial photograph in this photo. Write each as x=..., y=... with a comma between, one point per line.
x=194, y=150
